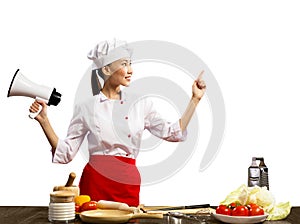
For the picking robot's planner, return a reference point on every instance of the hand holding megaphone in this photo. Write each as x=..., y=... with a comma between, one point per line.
x=38, y=107
x=21, y=86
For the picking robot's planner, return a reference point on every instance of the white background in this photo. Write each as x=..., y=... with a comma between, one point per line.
x=251, y=47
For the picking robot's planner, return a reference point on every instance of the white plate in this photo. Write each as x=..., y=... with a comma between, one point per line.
x=51, y=219
x=61, y=210
x=68, y=204
x=240, y=219
x=72, y=216
x=62, y=206
x=61, y=213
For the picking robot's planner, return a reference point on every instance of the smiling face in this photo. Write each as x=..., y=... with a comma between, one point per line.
x=119, y=72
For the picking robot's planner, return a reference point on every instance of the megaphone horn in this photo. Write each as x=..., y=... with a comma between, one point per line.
x=22, y=86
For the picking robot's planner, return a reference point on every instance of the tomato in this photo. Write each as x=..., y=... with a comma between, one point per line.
x=77, y=208
x=91, y=205
x=256, y=210
x=240, y=210
x=223, y=209
x=232, y=205
x=251, y=205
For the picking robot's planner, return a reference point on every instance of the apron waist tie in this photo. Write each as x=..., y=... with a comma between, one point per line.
x=102, y=158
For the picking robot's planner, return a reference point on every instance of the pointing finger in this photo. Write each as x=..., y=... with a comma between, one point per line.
x=200, y=76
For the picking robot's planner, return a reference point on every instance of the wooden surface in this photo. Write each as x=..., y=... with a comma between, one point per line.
x=39, y=215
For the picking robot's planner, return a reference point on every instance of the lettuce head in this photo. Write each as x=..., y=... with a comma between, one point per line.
x=261, y=196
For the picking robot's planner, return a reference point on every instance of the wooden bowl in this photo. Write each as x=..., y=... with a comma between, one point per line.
x=74, y=189
x=62, y=197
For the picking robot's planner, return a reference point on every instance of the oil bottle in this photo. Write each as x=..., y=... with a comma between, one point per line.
x=253, y=174
x=264, y=177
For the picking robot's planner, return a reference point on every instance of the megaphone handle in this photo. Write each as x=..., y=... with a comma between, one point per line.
x=33, y=115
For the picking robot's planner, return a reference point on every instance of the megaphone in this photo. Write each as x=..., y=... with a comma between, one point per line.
x=21, y=86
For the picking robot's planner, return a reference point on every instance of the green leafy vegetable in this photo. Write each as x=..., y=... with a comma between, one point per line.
x=259, y=195
x=280, y=211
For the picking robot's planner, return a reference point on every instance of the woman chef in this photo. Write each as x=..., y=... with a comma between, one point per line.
x=111, y=173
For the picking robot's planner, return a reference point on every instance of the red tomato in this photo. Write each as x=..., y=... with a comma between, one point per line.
x=91, y=205
x=240, y=210
x=256, y=210
x=251, y=205
x=77, y=208
x=232, y=205
x=223, y=209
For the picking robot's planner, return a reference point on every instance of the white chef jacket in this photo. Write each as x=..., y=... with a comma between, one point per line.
x=114, y=127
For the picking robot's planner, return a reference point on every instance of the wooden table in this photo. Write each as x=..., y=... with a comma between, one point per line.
x=39, y=215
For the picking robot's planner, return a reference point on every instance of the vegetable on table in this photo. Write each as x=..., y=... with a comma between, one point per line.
x=260, y=196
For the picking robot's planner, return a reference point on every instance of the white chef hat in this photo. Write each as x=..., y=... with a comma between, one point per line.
x=107, y=52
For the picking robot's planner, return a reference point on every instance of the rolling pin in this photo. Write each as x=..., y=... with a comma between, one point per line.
x=103, y=204
x=69, y=185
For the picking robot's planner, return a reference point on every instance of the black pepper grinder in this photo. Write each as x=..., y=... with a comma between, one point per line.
x=264, y=176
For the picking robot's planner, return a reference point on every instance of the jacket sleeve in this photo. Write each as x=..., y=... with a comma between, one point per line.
x=160, y=127
x=67, y=148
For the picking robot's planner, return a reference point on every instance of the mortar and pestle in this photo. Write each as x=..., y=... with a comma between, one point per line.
x=69, y=185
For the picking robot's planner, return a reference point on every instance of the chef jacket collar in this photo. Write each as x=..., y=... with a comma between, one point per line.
x=104, y=98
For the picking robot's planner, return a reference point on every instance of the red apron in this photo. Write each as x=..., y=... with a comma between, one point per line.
x=111, y=178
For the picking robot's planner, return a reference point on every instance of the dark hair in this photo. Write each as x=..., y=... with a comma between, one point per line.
x=95, y=83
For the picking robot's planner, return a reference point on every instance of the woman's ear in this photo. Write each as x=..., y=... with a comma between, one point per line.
x=106, y=70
